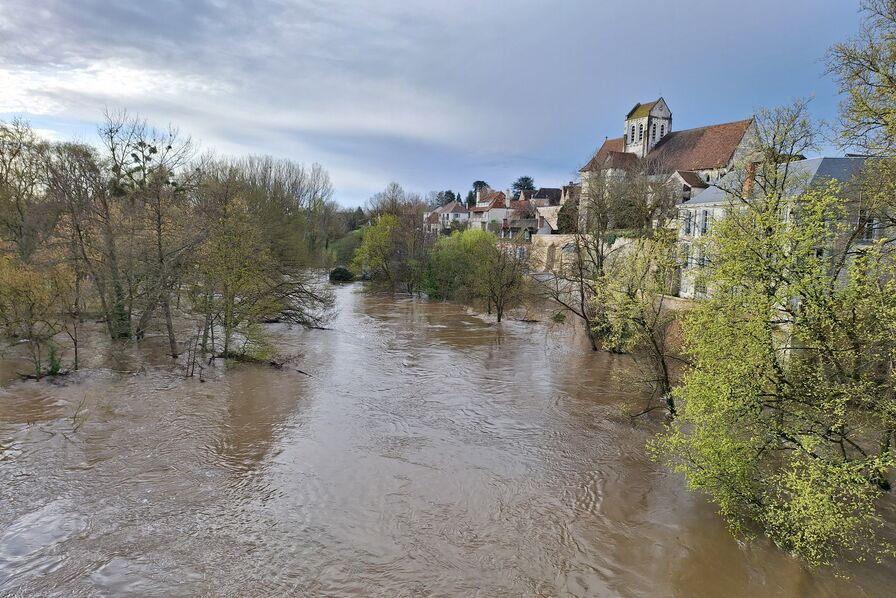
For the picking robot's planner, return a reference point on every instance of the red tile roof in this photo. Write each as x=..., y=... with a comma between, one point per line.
x=702, y=148
x=692, y=179
x=699, y=149
x=495, y=199
x=610, y=145
x=522, y=207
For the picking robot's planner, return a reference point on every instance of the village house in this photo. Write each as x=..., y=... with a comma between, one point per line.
x=490, y=211
x=451, y=216
x=520, y=220
x=697, y=215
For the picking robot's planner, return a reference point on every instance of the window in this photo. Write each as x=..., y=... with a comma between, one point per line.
x=662, y=130
x=868, y=224
x=685, y=255
x=654, y=131
x=632, y=138
x=704, y=221
x=687, y=222
x=640, y=131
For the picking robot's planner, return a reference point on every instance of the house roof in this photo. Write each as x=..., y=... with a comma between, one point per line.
x=641, y=110
x=522, y=207
x=454, y=207
x=546, y=196
x=806, y=174
x=495, y=199
x=702, y=148
x=692, y=179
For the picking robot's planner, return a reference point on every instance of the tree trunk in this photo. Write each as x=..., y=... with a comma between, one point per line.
x=172, y=341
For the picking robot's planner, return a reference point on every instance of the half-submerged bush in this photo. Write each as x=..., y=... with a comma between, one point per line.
x=340, y=274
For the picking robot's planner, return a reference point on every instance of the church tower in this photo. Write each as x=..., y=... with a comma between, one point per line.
x=645, y=125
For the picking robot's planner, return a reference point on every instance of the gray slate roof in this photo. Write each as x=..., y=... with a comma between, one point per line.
x=811, y=172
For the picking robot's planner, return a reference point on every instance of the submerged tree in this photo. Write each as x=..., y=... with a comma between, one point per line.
x=32, y=306
x=637, y=318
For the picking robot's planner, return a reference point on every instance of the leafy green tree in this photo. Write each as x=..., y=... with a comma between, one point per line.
x=568, y=218
x=374, y=257
x=865, y=68
x=524, y=183
x=453, y=264
x=787, y=417
x=632, y=296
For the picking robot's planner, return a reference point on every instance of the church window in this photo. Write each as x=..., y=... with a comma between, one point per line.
x=662, y=130
x=632, y=138
x=640, y=131
x=654, y=131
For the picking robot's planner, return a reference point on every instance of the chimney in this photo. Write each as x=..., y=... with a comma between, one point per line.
x=749, y=179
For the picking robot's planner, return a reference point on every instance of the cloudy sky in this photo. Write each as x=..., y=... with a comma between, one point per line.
x=431, y=94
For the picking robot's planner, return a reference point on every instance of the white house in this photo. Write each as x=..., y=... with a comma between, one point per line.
x=446, y=217
x=490, y=211
x=696, y=216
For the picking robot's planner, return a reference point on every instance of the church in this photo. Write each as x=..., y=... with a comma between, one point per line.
x=695, y=158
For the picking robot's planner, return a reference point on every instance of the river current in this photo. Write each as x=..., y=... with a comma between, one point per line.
x=422, y=450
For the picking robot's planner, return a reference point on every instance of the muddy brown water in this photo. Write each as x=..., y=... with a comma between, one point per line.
x=432, y=453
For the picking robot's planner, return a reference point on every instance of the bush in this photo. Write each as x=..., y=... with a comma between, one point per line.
x=341, y=274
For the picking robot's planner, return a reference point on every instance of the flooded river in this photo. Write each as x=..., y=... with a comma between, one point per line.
x=429, y=453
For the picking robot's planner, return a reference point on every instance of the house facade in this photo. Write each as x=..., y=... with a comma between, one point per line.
x=697, y=215
x=490, y=211
x=450, y=216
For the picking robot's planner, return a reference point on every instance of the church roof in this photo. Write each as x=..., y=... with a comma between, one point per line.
x=597, y=161
x=703, y=148
x=692, y=179
x=641, y=110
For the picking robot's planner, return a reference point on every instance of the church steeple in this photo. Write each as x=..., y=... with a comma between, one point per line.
x=645, y=125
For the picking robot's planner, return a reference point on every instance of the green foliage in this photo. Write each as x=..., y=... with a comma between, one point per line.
x=54, y=363
x=568, y=218
x=373, y=258
x=474, y=264
x=454, y=262
x=631, y=312
x=787, y=418
x=524, y=183
x=343, y=250
x=340, y=274
x=864, y=68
